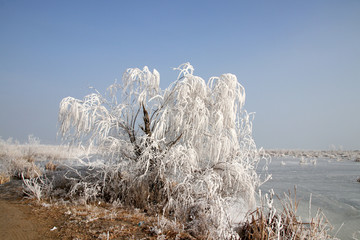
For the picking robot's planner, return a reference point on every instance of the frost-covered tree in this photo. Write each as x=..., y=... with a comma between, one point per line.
x=186, y=152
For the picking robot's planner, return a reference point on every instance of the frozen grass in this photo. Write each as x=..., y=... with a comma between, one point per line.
x=26, y=160
x=34, y=150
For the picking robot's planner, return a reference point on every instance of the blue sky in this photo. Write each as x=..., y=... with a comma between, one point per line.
x=299, y=61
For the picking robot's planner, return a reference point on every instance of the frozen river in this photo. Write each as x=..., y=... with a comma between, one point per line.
x=332, y=184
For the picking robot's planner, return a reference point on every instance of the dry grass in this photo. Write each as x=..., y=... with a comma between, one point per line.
x=271, y=224
x=50, y=166
x=4, y=178
x=23, y=168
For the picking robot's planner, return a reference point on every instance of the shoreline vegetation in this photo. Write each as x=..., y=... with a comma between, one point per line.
x=341, y=155
x=121, y=221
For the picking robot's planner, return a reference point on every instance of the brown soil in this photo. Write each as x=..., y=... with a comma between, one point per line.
x=20, y=219
x=28, y=219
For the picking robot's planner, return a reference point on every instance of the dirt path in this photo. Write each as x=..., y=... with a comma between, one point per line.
x=18, y=222
x=20, y=219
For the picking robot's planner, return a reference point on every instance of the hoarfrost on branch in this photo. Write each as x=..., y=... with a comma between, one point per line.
x=186, y=151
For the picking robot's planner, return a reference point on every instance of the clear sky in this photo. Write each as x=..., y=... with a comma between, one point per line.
x=299, y=61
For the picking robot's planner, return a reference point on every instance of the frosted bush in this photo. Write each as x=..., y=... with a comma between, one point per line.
x=38, y=187
x=186, y=151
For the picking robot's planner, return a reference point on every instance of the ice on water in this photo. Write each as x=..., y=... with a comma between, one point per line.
x=331, y=183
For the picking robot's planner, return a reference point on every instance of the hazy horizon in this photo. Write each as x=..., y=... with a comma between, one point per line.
x=298, y=61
